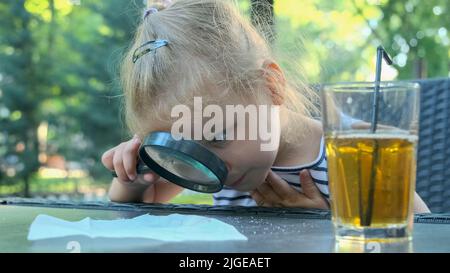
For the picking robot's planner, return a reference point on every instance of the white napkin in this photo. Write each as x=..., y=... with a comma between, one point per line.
x=171, y=228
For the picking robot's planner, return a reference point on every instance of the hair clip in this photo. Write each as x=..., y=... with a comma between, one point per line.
x=153, y=45
x=150, y=11
x=164, y=3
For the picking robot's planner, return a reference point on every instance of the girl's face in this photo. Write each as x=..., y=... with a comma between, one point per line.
x=247, y=163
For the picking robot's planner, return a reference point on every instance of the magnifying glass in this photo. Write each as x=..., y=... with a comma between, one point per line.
x=182, y=162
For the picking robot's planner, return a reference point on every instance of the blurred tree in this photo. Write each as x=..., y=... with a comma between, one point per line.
x=97, y=33
x=58, y=66
x=23, y=84
x=337, y=40
x=416, y=34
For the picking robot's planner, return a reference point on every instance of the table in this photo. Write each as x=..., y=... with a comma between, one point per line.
x=268, y=229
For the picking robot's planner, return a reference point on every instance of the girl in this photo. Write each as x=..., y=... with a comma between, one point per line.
x=207, y=49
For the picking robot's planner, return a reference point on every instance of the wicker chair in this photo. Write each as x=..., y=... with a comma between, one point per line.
x=433, y=167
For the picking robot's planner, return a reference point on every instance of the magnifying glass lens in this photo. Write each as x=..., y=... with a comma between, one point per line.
x=182, y=165
x=183, y=162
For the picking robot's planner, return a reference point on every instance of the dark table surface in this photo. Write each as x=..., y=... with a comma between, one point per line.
x=267, y=229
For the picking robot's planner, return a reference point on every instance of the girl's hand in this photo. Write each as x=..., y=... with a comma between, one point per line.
x=123, y=159
x=275, y=192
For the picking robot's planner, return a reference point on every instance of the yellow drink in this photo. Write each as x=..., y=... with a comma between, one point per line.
x=372, y=183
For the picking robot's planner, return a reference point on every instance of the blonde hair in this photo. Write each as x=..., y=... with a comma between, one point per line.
x=213, y=51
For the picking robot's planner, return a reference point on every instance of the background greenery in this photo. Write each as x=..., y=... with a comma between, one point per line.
x=59, y=95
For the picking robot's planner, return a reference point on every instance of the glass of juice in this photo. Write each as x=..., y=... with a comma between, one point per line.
x=371, y=153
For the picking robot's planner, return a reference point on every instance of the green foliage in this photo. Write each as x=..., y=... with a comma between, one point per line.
x=336, y=40
x=58, y=65
x=196, y=198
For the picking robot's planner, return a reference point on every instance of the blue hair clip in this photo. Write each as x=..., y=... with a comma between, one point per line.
x=152, y=46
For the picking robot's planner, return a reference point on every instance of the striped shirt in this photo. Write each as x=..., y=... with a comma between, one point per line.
x=317, y=169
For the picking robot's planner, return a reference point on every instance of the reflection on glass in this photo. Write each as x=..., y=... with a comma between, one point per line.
x=181, y=165
x=355, y=246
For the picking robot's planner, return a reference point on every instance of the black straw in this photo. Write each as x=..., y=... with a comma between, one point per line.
x=381, y=54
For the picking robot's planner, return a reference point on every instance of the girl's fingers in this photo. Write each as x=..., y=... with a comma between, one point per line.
x=151, y=177
x=107, y=158
x=281, y=187
x=257, y=197
x=260, y=200
x=130, y=152
x=268, y=193
x=118, y=164
x=309, y=187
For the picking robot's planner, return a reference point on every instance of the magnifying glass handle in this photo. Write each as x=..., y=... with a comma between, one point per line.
x=141, y=168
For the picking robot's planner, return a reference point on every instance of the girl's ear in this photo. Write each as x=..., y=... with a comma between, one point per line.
x=275, y=81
